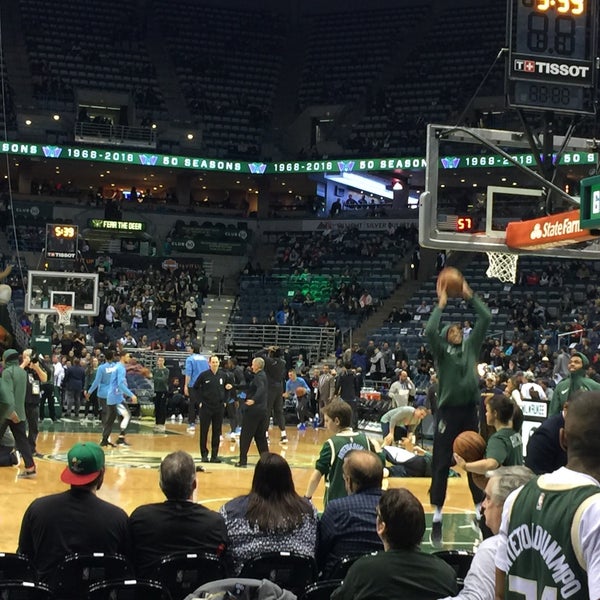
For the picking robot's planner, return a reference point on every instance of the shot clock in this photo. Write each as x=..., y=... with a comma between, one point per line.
x=552, y=55
x=61, y=241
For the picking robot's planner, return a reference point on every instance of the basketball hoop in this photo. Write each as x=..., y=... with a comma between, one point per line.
x=503, y=266
x=64, y=312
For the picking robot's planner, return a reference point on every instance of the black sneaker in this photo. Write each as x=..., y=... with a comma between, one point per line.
x=435, y=536
x=200, y=469
x=121, y=442
x=105, y=444
x=204, y=458
x=215, y=459
x=241, y=465
x=14, y=458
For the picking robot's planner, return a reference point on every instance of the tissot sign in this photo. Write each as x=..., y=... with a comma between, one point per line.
x=552, y=71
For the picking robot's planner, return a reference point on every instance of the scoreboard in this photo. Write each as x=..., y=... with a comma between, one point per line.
x=61, y=241
x=552, y=55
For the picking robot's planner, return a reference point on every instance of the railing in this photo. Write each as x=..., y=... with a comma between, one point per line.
x=98, y=133
x=314, y=342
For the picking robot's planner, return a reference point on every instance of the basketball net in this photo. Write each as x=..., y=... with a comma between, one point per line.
x=503, y=266
x=64, y=312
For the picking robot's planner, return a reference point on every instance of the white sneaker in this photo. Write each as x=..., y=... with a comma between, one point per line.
x=180, y=419
x=173, y=418
x=160, y=429
x=191, y=429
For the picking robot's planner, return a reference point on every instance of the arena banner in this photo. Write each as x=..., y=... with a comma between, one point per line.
x=200, y=245
x=26, y=211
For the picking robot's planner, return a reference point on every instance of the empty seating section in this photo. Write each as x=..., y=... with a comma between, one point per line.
x=438, y=79
x=564, y=301
x=347, y=52
x=337, y=265
x=228, y=63
x=7, y=114
x=74, y=45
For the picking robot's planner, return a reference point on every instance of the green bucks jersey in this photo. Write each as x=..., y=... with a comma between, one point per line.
x=543, y=547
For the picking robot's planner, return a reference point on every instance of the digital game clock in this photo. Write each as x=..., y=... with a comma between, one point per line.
x=61, y=241
x=552, y=55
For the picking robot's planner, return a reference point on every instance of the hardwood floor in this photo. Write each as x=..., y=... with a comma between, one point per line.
x=132, y=478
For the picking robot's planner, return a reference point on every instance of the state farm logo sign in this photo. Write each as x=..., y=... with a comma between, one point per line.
x=562, y=229
x=555, y=229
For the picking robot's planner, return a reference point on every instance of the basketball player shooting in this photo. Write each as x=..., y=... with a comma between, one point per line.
x=458, y=388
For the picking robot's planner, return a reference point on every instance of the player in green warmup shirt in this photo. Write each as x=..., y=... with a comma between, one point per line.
x=458, y=394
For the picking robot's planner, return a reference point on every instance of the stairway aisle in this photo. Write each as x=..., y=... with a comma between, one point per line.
x=216, y=312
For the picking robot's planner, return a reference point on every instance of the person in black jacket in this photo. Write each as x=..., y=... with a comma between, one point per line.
x=254, y=419
x=544, y=451
x=275, y=370
x=212, y=385
x=348, y=388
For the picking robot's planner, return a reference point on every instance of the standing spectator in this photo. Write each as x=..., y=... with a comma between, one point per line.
x=348, y=389
x=272, y=516
x=576, y=380
x=458, y=394
x=58, y=377
x=160, y=376
x=402, y=391
x=254, y=414
x=325, y=389
x=14, y=384
x=338, y=420
x=36, y=377
x=212, y=386
x=301, y=399
x=74, y=385
x=91, y=400
x=110, y=315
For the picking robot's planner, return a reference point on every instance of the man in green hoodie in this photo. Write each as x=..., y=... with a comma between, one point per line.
x=577, y=366
x=458, y=394
x=14, y=383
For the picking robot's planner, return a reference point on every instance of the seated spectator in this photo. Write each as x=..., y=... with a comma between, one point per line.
x=8, y=456
x=272, y=516
x=177, y=525
x=347, y=526
x=545, y=452
x=402, y=570
x=480, y=581
x=423, y=308
x=76, y=520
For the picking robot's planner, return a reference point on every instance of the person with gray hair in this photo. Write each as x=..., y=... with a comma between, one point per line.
x=177, y=525
x=480, y=580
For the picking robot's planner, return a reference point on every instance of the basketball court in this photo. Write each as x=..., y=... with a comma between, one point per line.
x=132, y=477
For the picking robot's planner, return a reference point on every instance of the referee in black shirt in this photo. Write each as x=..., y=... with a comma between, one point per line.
x=211, y=385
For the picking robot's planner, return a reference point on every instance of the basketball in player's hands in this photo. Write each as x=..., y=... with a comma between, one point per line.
x=450, y=280
x=300, y=391
x=470, y=446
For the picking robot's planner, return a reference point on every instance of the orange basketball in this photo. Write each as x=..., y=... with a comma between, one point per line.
x=470, y=445
x=451, y=280
x=300, y=391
